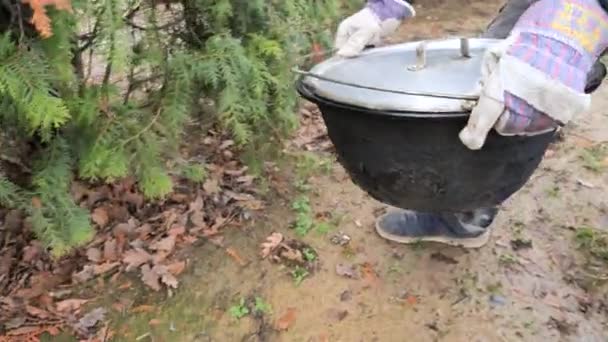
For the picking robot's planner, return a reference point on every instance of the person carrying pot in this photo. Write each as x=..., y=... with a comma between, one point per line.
x=533, y=82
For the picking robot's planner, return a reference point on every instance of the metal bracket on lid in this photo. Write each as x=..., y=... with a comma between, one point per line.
x=420, y=58
x=465, y=52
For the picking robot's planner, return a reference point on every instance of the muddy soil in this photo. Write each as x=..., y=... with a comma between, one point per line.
x=527, y=284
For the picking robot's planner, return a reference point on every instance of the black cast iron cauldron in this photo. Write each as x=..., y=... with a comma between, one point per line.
x=410, y=158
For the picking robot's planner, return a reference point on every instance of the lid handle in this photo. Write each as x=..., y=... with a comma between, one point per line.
x=465, y=52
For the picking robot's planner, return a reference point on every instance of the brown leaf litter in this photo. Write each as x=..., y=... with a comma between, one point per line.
x=286, y=320
x=289, y=252
x=132, y=236
x=312, y=136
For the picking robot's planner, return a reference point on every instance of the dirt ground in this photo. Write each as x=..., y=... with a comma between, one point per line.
x=530, y=283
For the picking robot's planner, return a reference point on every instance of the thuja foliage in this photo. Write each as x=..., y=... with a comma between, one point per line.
x=103, y=89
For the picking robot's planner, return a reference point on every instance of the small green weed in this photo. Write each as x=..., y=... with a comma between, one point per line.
x=196, y=173
x=468, y=281
x=594, y=158
x=239, y=310
x=494, y=288
x=309, y=163
x=299, y=274
x=593, y=242
x=302, y=185
x=330, y=225
x=348, y=252
x=304, y=217
x=309, y=254
x=394, y=270
x=324, y=228
x=553, y=191
x=261, y=306
x=507, y=259
x=518, y=227
x=302, y=204
x=418, y=245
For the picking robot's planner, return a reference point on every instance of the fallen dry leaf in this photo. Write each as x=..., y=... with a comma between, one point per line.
x=286, y=320
x=94, y=254
x=32, y=252
x=119, y=213
x=348, y=271
x=246, y=180
x=293, y=255
x=234, y=255
x=236, y=173
x=241, y=197
x=167, y=244
x=198, y=219
x=78, y=191
x=336, y=315
x=159, y=257
x=87, y=273
x=177, y=231
x=179, y=198
x=100, y=217
x=150, y=278
x=143, y=309
x=154, y=322
x=40, y=19
x=122, y=230
x=127, y=285
x=165, y=276
x=254, y=205
x=104, y=334
x=91, y=319
x=189, y=239
x=143, y=231
x=70, y=305
x=105, y=268
x=210, y=232
x=110, y=250
x=53, y=331
x=225, y=144
x=272, y=242
x=176, y=268
x=120, y=307
x=369, y=274
x=23, y=331
x=36, y=312
x=135, y=199
x=135, y=258
x=211, y=186
x=197, y=204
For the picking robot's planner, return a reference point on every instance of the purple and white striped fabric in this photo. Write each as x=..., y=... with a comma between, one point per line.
x=562, y=38
x=391, y=9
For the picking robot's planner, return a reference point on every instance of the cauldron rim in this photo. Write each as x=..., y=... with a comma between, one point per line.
x=307, y=93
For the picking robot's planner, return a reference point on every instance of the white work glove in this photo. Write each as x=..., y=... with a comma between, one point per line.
x=369, y=26
x=490, y=105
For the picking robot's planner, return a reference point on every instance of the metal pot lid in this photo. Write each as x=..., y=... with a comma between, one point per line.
x=437, y=76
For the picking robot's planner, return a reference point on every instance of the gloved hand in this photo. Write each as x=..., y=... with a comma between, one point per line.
x=490, y=106
x=508, y=15
x=369, y=26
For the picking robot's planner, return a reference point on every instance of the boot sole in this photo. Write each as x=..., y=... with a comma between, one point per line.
x=473, y=242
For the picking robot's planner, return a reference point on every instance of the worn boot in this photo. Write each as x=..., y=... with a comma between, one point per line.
x=467, y=230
